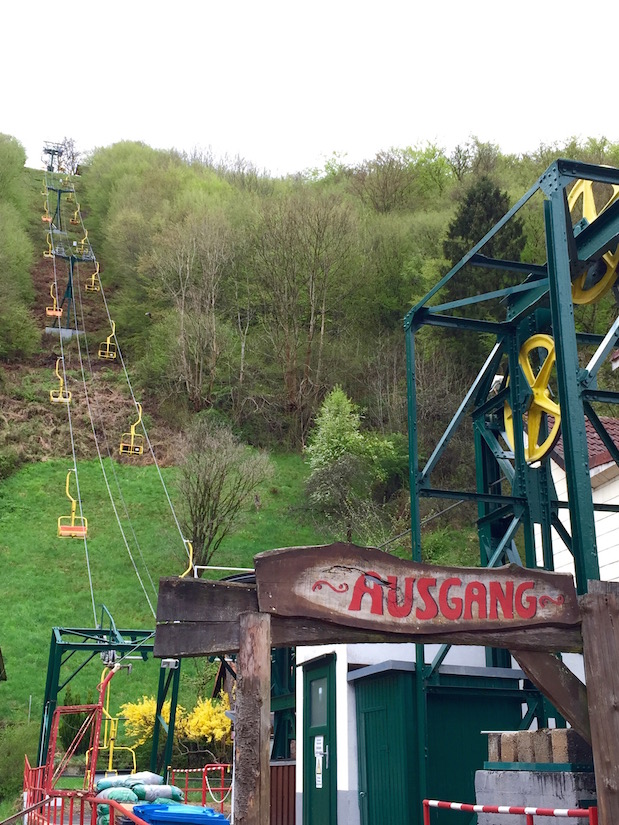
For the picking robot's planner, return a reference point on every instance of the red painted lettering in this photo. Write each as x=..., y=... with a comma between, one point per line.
x=430, y=609
x=453, y=609
x=400, y=611
x=525, y=608
x=502, y=598
x=475, y=593
x=368, y=584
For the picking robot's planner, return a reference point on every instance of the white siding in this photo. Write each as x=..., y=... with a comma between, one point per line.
x=606, y=524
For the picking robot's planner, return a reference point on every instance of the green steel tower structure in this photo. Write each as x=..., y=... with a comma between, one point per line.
x=539, y=380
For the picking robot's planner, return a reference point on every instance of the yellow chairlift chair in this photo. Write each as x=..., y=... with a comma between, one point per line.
x=92, y=284
x=60, y=396
x=72, y=526
x=132, y=443
x=108, y=349
x=54, y=311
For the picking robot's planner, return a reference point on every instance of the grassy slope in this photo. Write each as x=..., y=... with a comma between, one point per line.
x=45, y=579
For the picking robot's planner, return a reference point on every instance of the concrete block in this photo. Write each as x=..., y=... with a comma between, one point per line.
x=494, y=747
x=542, y=747
x=538, y=789
x=569, y=746
x=509, y=746
x=526, y=751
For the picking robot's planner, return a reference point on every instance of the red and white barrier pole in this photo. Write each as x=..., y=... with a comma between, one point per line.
x=583, y=813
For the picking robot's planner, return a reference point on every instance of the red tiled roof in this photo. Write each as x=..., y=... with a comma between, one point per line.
x=598, y=454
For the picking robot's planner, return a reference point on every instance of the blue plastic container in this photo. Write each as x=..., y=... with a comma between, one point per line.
x=177, y=814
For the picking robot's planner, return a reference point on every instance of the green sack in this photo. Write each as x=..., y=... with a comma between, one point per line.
x=118, y=794
x=139, y=790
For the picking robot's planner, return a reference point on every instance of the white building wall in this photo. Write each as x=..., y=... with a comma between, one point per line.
x=605, y=484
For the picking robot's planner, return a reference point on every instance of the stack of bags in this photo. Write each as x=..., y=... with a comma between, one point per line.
x=129, y=790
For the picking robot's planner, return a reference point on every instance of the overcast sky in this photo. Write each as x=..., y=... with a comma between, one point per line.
x=285, y=83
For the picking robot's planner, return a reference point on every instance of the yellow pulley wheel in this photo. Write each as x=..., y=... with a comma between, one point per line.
x=541, y=404
x=594, y=283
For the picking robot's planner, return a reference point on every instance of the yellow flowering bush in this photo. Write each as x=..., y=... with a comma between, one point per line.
x=139, y=717
x=205, y=727
x=208, y=722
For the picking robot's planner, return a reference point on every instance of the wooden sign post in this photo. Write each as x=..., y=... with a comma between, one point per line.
x=346, y=594
x=252, y=725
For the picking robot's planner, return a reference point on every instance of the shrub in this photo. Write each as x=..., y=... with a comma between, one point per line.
x=16, y=739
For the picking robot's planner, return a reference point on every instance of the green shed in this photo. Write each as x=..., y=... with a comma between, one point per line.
x=461, y=702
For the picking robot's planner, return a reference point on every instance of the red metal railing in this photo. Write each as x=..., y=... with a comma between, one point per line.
x=590, y=814
x=203, y=784
x=62, y=806
x=189, y=774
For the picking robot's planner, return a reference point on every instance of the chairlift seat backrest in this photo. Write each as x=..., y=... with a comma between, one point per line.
x=108, y=350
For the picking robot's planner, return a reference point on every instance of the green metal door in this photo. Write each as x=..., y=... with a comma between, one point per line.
x=319, y=743
x=387, y=783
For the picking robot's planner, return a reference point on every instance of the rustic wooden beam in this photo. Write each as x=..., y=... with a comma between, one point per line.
x=600, y=628
x=253, y=721
x=200, y=618
x=557, y=682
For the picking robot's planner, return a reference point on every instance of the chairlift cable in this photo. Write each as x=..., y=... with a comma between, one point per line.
x=112, y=465
x=128, y=380
x=148, y=441
x=68, y=406
x=101, y=462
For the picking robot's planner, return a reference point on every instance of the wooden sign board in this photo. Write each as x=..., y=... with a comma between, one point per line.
x=366, y=588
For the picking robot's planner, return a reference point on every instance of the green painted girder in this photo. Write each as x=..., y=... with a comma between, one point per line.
x=435, y=319
x=67, y=641
x=597, y=506
x=602, y=432
x=536, y=272
x=557, y=222
x=543, y=303
x=590, y=243
x=435, y=492
x=411, y=317
x=488, y=369
x=563, y=171
x=498, y=514
x=506, y=292
x=595, y=239
x=601, y=396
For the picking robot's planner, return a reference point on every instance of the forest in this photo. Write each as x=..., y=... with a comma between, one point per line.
x=267, y=305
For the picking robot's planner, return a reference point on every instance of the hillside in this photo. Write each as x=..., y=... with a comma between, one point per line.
x=48, y=581
x=244, y=301
x=45, y=579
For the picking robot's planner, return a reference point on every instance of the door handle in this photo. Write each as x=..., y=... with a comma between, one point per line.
x=327, y=758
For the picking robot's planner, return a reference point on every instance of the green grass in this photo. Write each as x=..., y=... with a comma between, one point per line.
x=45, y=581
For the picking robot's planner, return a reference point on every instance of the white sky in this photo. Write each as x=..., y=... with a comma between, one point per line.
x=284, y=83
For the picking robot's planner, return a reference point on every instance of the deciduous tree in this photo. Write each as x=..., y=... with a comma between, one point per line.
x=303, y=243
x=218, y=476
